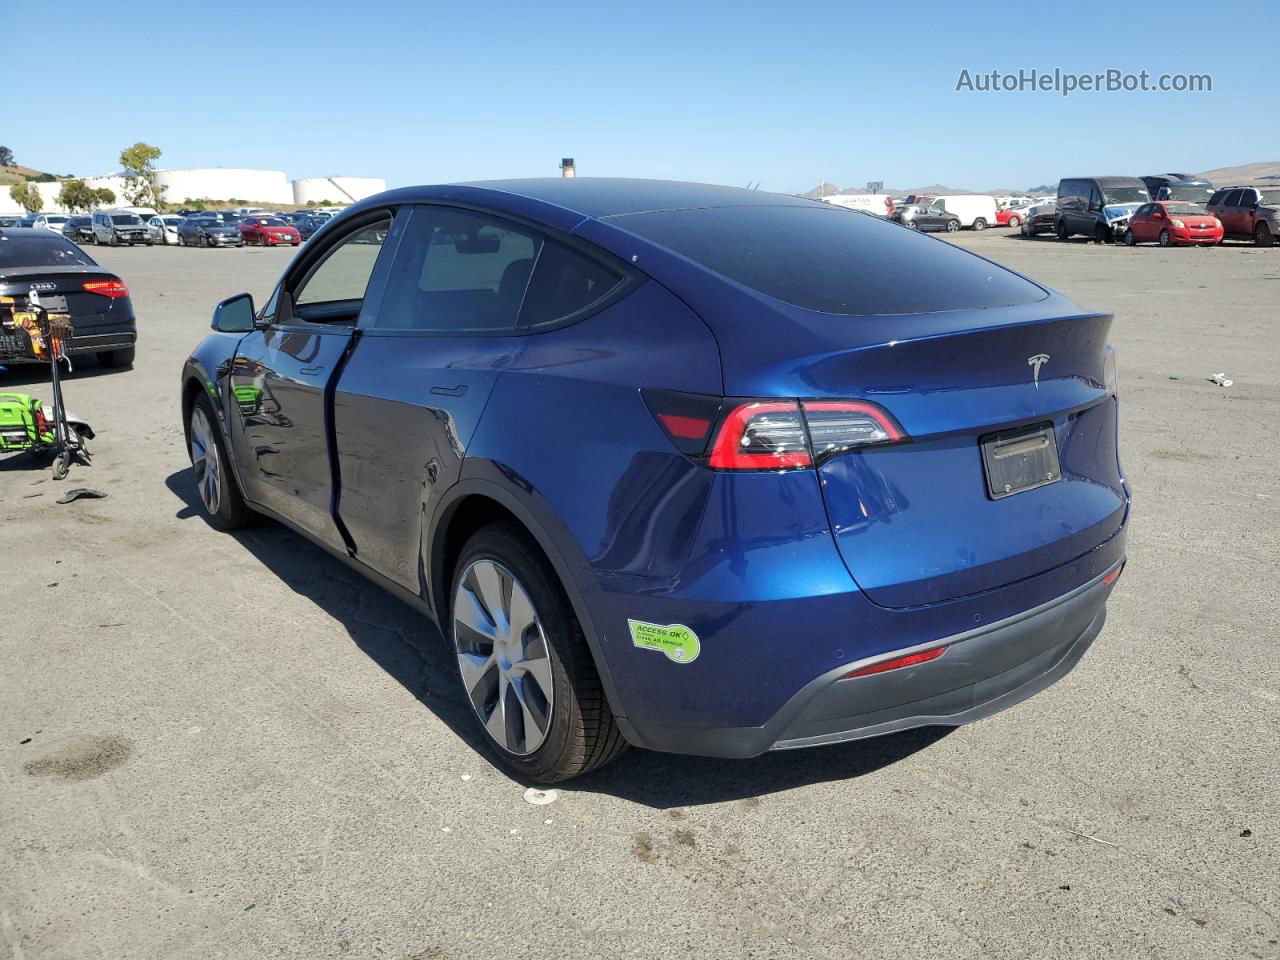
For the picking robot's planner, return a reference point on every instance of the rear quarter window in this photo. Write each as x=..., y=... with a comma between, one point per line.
x=824, y=258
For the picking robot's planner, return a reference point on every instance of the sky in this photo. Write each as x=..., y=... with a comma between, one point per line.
x=780, y=93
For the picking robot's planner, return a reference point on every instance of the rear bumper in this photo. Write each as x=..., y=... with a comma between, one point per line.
x=981, y=672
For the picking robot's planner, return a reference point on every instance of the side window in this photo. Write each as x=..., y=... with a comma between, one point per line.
x=1095, y=198
x=333, y=290
x=564, y=282
x=458, y=270
x=1233, y=198
x=1217, y=196
x=1248, y=198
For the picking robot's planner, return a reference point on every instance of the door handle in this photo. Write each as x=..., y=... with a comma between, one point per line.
x=310, y=371
x=457, y=391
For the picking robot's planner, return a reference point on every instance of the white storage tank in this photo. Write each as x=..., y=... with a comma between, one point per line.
x=335, y=190
x=225, y=183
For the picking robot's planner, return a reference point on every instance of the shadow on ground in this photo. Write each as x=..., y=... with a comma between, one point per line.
x=410, y=648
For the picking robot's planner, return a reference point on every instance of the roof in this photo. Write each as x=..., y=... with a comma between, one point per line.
x=602, y=197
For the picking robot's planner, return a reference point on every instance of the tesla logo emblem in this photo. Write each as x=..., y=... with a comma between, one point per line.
x=1035, y=363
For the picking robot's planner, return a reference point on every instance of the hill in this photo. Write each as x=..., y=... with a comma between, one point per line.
x=1243, y=173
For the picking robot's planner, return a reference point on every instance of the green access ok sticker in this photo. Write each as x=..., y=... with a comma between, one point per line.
x=676, y=640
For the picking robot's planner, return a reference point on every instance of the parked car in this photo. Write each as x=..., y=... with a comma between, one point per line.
x=164, y=228
x=10, y=220
x=976, y=211
x=115, y=227
x=1013, y=214
x=78, y=229
x=611, y=435
x=927, y=216
x=1249, y=212
x=50, y=221
x=269, y=232
x=1039, y=218
x=69, y=281
x=1178, y=186
x=1098, y=207
x=309, y=224
x=881, y=204
x=1173, y=223
x=208, y=232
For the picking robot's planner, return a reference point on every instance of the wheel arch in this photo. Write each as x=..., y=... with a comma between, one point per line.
x=473, y=503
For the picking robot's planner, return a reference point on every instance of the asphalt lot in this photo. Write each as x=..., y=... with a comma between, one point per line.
x=216, y=746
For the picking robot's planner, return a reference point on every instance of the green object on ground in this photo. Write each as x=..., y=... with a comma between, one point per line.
x=23, y=423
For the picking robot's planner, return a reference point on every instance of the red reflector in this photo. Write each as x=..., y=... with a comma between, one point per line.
x=1113, y=576
x=107, y=288
x=42, y=422
x=687, y=428
x=910, y=660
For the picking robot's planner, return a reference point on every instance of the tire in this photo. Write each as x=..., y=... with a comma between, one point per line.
x=1015, y=221
x=118, y=358
x=1165, y=239
x=1129, y=239
x=1262, y=235
x=979, y=224
x=563, y=730
x=1060, y=229
x=1100, y=234
x=911, y=225
x=953, y=226
x=204, y=241
x=218, y=491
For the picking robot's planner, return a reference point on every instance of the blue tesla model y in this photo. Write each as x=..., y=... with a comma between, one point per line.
x=688, y=467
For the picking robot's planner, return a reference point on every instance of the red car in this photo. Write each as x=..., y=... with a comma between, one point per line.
x=1012, y=216
x=269, y=232
x=1170, y=222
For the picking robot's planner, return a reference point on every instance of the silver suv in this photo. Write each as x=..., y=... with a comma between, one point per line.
x=1249, y=212
x=114, y=227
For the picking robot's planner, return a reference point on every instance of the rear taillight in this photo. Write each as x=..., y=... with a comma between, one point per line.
x=761, y=435
x=107, y=288
x=769, y=434
x=839, y=425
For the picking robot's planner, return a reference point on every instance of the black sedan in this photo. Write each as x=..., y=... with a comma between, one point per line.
x=68, y=281
x=78, y=229
x=208, y=232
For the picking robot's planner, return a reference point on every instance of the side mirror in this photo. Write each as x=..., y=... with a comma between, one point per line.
x=234, y=315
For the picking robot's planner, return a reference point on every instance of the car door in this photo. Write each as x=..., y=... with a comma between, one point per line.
x=1248, y=210
x=428, y=354
x=1231, y=213
x=279, y=377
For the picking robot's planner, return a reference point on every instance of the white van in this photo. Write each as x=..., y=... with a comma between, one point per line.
x=976, y=211
x=881, y=204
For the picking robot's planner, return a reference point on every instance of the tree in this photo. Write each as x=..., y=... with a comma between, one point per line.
x=141, y=187
x=27, y=197
x=78, y=197
x=6, y=157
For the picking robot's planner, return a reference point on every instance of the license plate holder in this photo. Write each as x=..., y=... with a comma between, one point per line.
x=1019, y=460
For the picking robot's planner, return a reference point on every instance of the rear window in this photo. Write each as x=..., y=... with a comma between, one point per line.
x=836, y=261
x=51, y=251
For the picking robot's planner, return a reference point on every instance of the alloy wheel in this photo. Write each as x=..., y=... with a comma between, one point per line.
x=204, y=460
x=503, y=657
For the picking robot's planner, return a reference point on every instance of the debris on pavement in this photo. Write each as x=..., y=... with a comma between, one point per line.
x=81, y=492
x=1221, y=380
x=541, y=797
